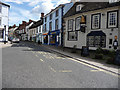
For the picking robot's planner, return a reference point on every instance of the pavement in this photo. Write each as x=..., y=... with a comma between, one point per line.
x=97, y=63
x=28, y=65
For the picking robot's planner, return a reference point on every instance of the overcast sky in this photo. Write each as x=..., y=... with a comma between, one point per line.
x=29, y=9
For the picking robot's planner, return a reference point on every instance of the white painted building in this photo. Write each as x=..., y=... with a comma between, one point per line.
x=100, y=27
x=4, y=21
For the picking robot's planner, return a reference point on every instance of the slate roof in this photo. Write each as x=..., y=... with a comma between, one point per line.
x=4, y=4
x=36, y=24
x=90, y=6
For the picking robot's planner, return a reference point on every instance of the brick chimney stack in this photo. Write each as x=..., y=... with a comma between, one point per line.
x=42, y=15
x=23, y=22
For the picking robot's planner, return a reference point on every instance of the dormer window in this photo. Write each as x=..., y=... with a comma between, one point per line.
x=79, y=7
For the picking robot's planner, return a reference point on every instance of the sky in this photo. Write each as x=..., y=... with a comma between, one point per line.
x=23, y=10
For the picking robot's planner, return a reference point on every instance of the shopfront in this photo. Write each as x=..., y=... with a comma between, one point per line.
x=45, y=38
x=54, y=37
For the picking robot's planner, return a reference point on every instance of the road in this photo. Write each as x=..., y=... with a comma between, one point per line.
x=27, y=65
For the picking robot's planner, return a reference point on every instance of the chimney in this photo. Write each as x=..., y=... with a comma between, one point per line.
x=30, y=20
x=23, y=22
x=14, y=25
x=42, y=15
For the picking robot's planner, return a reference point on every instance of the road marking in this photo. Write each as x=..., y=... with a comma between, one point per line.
x=94, y=67
x=65, y=70
x=41, y=60
x=36, y=55
x=96, y=70
x=52, y=69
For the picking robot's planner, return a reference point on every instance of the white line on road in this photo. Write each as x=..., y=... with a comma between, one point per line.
x=41, y=60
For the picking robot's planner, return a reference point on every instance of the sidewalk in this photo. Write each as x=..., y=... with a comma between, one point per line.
x=2, y=45
x=77, y=56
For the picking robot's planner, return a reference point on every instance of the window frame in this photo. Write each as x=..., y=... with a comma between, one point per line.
x=71, y=25
x=75, y=23
x=0, y=8
x=56, y=24
x=117, y=21
x=0, y=21
x=50, y=26
x=51, y=15
x=57, y=13
x=76, y=32
x=94, y=41
x=99, y=23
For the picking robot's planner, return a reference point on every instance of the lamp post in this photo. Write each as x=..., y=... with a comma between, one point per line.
x=5, y=34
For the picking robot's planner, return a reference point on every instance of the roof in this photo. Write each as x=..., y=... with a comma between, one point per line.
x=36, y=24
x=4, y=4
x=90, y=6
x=54, y=9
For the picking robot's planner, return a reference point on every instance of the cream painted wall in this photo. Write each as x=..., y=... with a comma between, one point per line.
x=82, y=36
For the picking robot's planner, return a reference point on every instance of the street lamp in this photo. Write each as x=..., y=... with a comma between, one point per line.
x=5, y=34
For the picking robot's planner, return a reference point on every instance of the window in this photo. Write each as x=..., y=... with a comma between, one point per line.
x=96, y=41
x=72, y=35
x=56, y=24
x=39, y=28
x=110, y=41
x=45, y=19
x=77, y=23
x=1, y=33
x=95, y=21
x=50, y=26
x=0, y=21
x=78, y=8
x=70, y=25
x=112, y=19
x=45, y=27
x=50, y=16
x=0, y=8
x=57, y=12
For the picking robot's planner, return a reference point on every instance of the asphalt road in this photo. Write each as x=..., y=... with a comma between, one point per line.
x=26, y=65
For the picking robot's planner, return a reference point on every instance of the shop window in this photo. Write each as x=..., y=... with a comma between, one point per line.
x=1, y=33
x=110, y=41
x=70, y=25
x=95, y=22
x=72, y=36
x=56, y=24
x=112, y=19
x=77, y=23
x=96, y=39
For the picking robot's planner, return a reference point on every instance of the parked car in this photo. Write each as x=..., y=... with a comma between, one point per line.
x=16, y=40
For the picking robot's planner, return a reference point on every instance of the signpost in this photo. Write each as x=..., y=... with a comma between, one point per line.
x=85, y=51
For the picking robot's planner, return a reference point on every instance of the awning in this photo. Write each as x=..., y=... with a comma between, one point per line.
x=96, y=33
x=45, y=34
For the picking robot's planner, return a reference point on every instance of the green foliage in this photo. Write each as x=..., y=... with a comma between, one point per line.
x=99, y=56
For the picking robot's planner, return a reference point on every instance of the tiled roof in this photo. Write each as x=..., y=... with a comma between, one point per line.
x=90, y=6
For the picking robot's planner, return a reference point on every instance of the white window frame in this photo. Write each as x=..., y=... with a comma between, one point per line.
x=112, y=19
x=77, y=23
x=78, y=8
x=96, y=21
x=56, y=24
x=73, y=36
x=70, y=25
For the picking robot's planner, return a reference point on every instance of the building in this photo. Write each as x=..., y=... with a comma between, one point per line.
x=36, y=31
x=29, y=24
x=92, y=24
x=52, y=25
x=4, y=21
x=21, y=30
x=11, y=32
